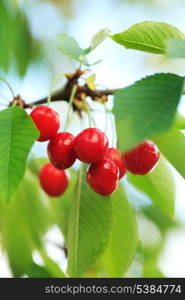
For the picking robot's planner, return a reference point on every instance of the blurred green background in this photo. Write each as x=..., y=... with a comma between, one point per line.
x=29, y=59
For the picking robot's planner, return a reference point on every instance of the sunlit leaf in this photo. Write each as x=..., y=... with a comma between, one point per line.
x=24, y=223
x=151, y=270
x=89, y=228
x=37, y=271
x=148, y=36
x=18, y=47
x=17, y=134
x=50, y=269
x=179, y=121
x=52, y=266
x=36, y=163
x=122, y=245
x=97, y=39
x=63, y=205
x=172, y=145
x=23, y=46
x=163, y=221
x=5, y=26
x=146, y=108
x=91, y=82
x=69, y=47
x=159, y=185
x=175, y=48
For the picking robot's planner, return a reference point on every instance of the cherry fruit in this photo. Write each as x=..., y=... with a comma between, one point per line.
x=91, y=145
x=47, y=122
x=103, y=177
x=61, y=150
x=53, y=181
x=115, y=155
x=142, y=159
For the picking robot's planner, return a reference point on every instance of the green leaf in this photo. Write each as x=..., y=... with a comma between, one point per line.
x=52, y=266
x=172, y=145
x=151, y=270
x=5, y=26
x=123, y=242
x=148, y=36
x=159, y=185
x=50, y=269
x=17, y=134
x=175, y=48
x=89, y=228
x=97, y=39
x=69, y=47
x=23, y=46
x=37, y=271
x=35, y=205
x=63, y=205
x=17, y=44
x=179, y=121
x=90, y=81
x=23, y=224
x=146, y=108
x=163, y=221
x=35, y=164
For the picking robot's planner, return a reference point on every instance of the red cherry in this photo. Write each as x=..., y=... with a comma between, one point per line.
x=142, y=159
x=61, y=150
x=90, y=145
x=53, y=181
x=103, y=176
x=47, y=121
x=115, y=155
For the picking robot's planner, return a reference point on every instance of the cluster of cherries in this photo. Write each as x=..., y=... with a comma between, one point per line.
x=106, y=165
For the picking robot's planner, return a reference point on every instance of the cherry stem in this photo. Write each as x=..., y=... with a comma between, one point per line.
x=73, y=92
x=9, y=86
x=106, y=117
x=113, y=129
x=110, y=114
x=79, y=187
x=79, y=182
x=89, y=118
x=89, y=114
x=53, y=82
x=93, y=120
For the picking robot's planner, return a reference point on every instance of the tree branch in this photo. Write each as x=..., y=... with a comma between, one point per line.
x=64, y=95
x=82, y=91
